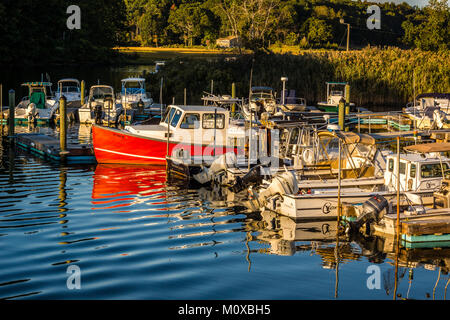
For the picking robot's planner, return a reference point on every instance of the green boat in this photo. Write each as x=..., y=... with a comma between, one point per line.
x=335, y=92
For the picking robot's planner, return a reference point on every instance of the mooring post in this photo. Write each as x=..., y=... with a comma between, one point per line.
x=82, y=91
x=233, y=95
x=185, y=97
x=62, y=127
x=12, y=103
x=1, y=107
x=342, y=114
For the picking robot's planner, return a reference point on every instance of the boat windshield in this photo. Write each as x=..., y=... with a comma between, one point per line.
x=176, y=118
x=433, y=170
x=70, y=89
x=169, y=115
x=101, y=93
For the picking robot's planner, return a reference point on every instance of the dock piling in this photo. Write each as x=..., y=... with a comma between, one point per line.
x=62, y=126
x=83, y=85
x=342, y=114
x=233, y=95
x=12, y=103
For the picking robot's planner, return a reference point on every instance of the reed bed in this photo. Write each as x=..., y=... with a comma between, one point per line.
x=380, y=78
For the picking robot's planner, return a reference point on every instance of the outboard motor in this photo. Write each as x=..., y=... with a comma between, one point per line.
x=98, y=112
x=373, y=211
x=31, y=112
x=284, y=183
x=140, y=106
x=253, y=177
x=217, y=170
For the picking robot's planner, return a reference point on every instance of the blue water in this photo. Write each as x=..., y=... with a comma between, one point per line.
x=134, y=237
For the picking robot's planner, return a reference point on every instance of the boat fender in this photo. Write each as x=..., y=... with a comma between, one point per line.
x=308, y=156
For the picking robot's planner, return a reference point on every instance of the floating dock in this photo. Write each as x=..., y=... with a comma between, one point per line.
x=431, y=229
x=48, y=148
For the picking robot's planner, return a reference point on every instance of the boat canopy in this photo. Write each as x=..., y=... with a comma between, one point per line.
x=429, y=147
x=133, y=90
x=37, y=84
x=69, y=80
x=337, y=83
x=349, y=137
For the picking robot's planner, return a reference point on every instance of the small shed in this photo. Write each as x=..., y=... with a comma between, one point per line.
x=228, y=42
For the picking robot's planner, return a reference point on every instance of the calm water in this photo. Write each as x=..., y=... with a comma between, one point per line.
x=134, y=237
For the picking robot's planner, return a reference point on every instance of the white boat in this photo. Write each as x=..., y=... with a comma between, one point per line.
x=430, y=110
x=420, y=176
x=101, y=106
x=71, y=89
x=37, y=106
x=133, y=91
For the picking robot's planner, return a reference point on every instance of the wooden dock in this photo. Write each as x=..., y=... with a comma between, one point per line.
x=48, y=148
x=431, y=229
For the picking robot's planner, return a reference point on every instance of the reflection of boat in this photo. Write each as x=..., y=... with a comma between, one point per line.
x=37, y=106
x=118, y=183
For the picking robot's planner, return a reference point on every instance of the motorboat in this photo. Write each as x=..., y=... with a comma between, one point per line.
x=71, y=89
x=185, y=132
x=37, y=106
x=335, y=92
x=101, y=106
x=430, y=111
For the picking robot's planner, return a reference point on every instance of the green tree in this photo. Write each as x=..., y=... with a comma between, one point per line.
x=319, y=31
x=429, y=29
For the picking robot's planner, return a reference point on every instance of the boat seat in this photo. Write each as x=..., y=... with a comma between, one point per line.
x=38, y=98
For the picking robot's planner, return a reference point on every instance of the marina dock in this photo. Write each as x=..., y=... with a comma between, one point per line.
x=49, y=149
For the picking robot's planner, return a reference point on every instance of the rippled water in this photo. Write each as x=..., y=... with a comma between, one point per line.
x=135, y=237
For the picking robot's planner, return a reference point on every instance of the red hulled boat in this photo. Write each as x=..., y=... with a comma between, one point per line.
x=194, y=132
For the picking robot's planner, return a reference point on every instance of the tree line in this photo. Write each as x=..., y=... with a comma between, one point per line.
x=304, y=23
x=33, y=31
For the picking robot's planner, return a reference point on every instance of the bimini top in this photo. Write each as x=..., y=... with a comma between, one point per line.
x=338, y=83
x=133, y=80
x=349, y=137
x=69, y=80
x=37, y=84
x=429, y=147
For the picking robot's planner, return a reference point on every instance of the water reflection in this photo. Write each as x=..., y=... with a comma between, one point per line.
x=128, y=229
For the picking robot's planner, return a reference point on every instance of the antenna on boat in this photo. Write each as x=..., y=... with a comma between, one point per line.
x=251, y=116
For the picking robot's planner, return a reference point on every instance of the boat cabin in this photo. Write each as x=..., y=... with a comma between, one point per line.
x=68, y=87
x=418, y=172
x=133, y=86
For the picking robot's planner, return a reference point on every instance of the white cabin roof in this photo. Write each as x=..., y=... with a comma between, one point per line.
x=415, y=157
x=200, y=108
x=133, y=80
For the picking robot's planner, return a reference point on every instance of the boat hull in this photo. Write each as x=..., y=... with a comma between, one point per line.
x=119, y=146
